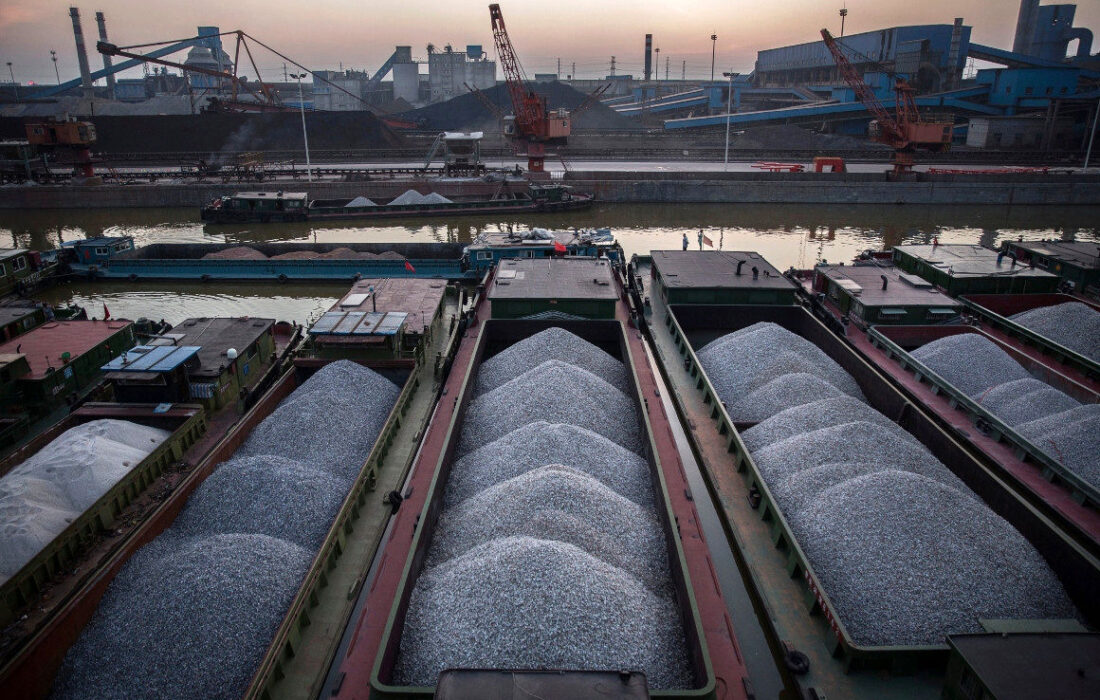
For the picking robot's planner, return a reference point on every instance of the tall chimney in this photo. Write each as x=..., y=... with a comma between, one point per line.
x=81, y=54
x=648, y=55
x=1025, y=27
x=102, y=22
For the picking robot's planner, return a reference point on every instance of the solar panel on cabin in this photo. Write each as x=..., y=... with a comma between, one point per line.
x=370, y=321
x=146, y=358
x=349, y=323
x=327, y=322
x=391, y=323
x=943, y=312
x=354, y=300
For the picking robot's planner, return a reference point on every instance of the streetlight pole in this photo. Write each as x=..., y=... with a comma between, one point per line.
x=729, y=108
x=1092, y=134
x=53, y=57
x=14, y=85
x=713, y=48
x=305, y=134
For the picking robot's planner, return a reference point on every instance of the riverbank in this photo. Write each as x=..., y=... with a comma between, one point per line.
x=619, y=186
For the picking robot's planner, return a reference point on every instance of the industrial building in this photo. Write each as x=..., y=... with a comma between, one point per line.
x=449, y=71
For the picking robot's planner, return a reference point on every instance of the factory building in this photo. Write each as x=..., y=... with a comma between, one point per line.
x=932, y=55
x=210, y=55
x=1045, y=31
x=328, y=97
x=449, y=69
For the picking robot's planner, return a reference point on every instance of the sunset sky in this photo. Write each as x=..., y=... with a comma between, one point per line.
x=362, y=33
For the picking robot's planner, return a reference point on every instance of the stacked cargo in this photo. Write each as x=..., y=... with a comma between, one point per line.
x=548, y=553
x=1072, y=325
x=905, y=551
x=42, y=496
x=191, y=614
x=1053, y=421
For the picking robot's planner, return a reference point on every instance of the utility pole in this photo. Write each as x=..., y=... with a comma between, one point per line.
x=1092, y=134
x=286, y=78
x=559, y=67
x=843, y=14
x=305, y=135
x=612, y=66
x=657, y=64
x=729, y=108
x=574, y=71
x=53, y=57
x=14, y=84
x=666, y=68
x=713, y=48
x=684, y=70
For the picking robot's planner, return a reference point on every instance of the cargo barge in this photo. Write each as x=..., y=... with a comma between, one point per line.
x=268, y=207
x=800, y=610
x=374, y=640
x=114, y=259
x=1076, y=262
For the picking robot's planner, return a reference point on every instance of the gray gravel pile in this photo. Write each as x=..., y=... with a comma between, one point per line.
x=749, y=358
x=824, y=413
x=185, y=618
x=780, y=394
x=1025, y=400
x=907, y=560
x=1072, y=325
x=969, y=361
x=537, y=604
x=330, y=422
x=540, y=443
x=550, y=344
x=853, y=443
x=562, y=504
x=556, y=392
x=1071, y=437
x=265, y=495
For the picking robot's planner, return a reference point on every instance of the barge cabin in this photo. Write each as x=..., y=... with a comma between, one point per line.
x=719, y=277
x=972, y=269
x=572, y=288
x=20, y=268
x=95, y=251
x=16, y=320
x=1077, y=262
x=872, y=295
x=491, y=247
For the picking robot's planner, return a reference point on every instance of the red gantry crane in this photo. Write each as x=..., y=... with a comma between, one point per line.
x=904, y=130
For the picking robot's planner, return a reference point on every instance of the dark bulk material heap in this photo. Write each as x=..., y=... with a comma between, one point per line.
x=1051, y=420
x=1073, y=325
x=905, y=551
x=190, y=615
x=548, y=553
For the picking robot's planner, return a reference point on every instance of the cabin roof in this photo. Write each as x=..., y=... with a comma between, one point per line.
x=864, y=282
x=716, y=269
x=44, y=345
x=548, y=278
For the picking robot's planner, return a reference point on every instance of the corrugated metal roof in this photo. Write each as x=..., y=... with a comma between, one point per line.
x=150, y=358
x=359, y=323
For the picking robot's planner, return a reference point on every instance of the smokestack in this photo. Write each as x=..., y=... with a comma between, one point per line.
x=648, y=55
x=102, y=22
x=1025, y=27
x=81, y=53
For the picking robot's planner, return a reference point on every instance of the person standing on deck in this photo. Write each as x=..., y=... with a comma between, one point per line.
x=685, y=241
x=700, y=239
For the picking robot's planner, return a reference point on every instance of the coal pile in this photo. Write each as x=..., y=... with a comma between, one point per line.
x=540, y=443
x=550, y=344
x=908, y=560
x=560, y=608
x=556, y=392
x=191, y=615
x=1072, y=325
x=763, y=369
x=185, y=618
x=467, y=112
x=549, y=552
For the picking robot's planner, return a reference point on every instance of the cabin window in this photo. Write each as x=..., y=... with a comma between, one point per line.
x=485, y=255
x=3, y=270
x=101, y=250
x=18, y=264
x=118, y=247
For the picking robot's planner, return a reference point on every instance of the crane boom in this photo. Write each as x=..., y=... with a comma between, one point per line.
x=530, y=109
x=887, y=123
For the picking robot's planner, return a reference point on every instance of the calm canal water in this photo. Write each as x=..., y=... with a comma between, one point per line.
x=787, y=235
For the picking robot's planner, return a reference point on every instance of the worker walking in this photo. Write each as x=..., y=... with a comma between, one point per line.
x=685, y=241
x=700, y=239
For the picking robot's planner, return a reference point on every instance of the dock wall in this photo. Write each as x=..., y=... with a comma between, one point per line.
x=634, y=187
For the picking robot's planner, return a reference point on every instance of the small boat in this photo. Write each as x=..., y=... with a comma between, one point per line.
x=265, y=207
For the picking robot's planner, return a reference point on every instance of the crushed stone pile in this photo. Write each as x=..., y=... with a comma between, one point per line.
x=1071, y=437
x=339, y=253
x=540, y=443
x=564, y=608
x=551, y=344
x=908, y=560
x=191, y=614
x=435, y=198
x=407, y=197
x=186, y=617
x=265, y=495
x=1072, y=325
x=297, y=255
x=763, y=369
x=241, y=252
x=557, y=392
x=361, y=201
x=41, y=496
x=970, y=361
x=1025, y=400
x=824, y=413
x=563, y=504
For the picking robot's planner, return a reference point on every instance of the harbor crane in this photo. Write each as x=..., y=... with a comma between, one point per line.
x=904, y=130
x=533, y=125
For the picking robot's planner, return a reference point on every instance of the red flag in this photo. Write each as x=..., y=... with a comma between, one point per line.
x=409, y=267
x=558, y=247
x=106, y=313
x=708, y=241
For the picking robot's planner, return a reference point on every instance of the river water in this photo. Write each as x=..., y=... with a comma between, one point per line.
x=787, y=235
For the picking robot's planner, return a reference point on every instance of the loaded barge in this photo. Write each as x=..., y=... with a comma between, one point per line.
x=268, y=207
x=375, y=655
x=800, y=603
